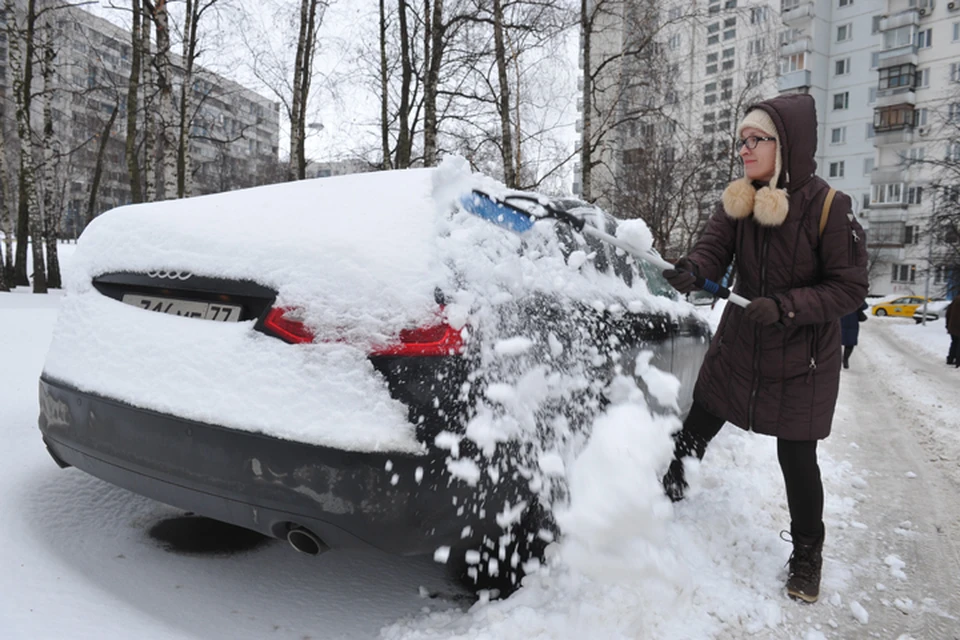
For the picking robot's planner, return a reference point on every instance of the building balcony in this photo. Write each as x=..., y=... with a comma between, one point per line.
x=902, y=135
x=801, y=45
x=895, y=96
x=897, y=20
x=801, y=13
x=906, y=54
x=794, y=81
x=887, y=175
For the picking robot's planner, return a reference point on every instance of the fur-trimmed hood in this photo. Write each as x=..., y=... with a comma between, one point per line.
x=795, y=119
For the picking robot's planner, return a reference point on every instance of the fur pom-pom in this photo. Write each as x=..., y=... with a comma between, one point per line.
x=738, y=198
x=770, y=207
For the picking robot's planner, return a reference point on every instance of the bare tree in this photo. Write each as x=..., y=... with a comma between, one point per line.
x=302, y=77
x=133, y=91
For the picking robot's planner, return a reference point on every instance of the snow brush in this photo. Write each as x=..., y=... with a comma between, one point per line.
x=503, y=213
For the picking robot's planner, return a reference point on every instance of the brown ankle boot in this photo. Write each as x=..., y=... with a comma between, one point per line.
x=803, y=575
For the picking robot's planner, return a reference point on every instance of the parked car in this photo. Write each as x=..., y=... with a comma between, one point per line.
x=305, y=359
x=902, y=307
x=935, y=310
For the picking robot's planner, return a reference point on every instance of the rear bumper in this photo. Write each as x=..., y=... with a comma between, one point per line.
x=395, y=502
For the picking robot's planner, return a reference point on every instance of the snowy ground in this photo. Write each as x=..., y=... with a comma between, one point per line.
x=79, y=561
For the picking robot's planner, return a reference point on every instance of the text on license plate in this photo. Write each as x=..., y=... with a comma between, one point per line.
x=188, y=308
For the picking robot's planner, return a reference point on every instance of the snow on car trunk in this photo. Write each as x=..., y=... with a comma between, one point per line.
x=357, y=254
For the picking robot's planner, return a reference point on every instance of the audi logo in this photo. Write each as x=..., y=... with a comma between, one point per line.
x=170, y=275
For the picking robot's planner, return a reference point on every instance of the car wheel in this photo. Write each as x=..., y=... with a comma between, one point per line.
x=880, y=312
x=504, y=576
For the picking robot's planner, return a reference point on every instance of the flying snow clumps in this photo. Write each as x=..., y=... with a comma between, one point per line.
x=636, y=234
x=615, y=524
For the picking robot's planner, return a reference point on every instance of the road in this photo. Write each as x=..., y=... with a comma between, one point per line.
x=897, y=424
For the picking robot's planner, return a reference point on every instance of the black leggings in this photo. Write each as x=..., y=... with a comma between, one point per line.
x=847, y=350
x=798, y=461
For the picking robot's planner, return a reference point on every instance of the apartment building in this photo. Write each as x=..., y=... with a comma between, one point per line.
x=234, y=131
x=884, y=74
x=881, y=74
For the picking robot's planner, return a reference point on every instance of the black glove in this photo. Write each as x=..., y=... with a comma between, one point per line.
x=683, y=277
x=763, y=311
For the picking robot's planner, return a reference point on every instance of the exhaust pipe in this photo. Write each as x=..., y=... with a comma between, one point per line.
x=305, y=541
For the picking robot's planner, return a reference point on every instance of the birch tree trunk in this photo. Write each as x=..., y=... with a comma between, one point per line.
x=433, y=44
x=404, y=139
x=6, y=213
x=168, y=109
x=30, y=218
x=51, y=212
x=149, y=118
x=506, y=134
x=133, y=88
x=586, y=28
x=189, y=53
x=384, y=121
x=21, y=68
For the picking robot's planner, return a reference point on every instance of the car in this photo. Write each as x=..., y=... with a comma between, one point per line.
x=903, y=306
x=353, y=361
x=934, y=311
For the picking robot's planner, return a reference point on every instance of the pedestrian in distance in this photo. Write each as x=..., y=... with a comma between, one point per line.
x=774, y=367
x=850, y=331
x=952, y=317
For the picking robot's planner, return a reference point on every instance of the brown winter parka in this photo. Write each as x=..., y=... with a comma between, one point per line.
x=783, y=379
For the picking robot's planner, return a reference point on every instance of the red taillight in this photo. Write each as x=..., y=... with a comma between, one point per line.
x=283, y=323
x=435, y=340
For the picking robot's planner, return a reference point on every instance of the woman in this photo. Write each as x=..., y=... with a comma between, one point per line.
x=850, y=331
x=774, y=367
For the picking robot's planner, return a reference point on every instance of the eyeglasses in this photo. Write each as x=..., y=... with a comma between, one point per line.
x=751, y=142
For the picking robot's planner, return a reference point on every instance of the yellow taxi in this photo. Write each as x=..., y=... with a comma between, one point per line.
x=904, y=306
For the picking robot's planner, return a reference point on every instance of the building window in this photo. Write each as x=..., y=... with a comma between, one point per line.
x=940, y=274
x=714, y=39
x=954, y=72
x=844, y=32
x=904, y=273
x=899, y=76
x=921, y=117
x=894, y=118
x=891, y=193
x=868, y=164
x=841, y=100
x=842, y=67
x=786, y=5
x=953, y=151
x=956, y=31
x=914, y=195
x=953, y=112
x=675, y=41
x=729, y=34
x=871, y=95
x=674, y=13
x=756, y=46
x=838, y=135
x=925, y=39
x=911, y=234
x=876, y=24
x=846, y=3
x=758, y=15
x=915, y=155
x=865, y=199
x=711, y=63
x=923, y=78
x=836, y=169
x=795, y=62
x=899, y=37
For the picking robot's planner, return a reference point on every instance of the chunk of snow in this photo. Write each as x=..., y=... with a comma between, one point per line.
x=515, y=346
x=859, y=612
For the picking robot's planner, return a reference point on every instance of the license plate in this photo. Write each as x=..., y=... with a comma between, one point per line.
x=187, y=308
